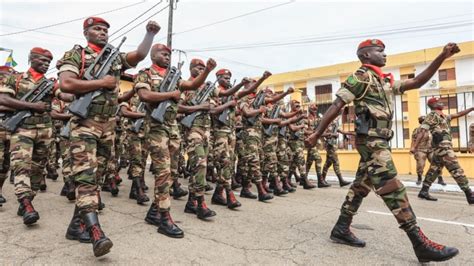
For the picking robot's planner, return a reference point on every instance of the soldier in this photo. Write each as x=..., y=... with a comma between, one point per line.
x=372, y=92
x=91, y=139
x=330, y=145
x=437, y=123
x=422, y=152
x=163, y=138
x=471, y=138
x=30, y=142
x=312, y=154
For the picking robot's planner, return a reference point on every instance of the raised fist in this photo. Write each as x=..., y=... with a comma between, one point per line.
x=450, y=49
x=266, y=74
x=153, y=27
x=211, y=64
x=291, y=90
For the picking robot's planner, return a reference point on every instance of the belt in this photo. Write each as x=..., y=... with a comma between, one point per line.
x=102, y=109
x=37, y=120
x=376, y=123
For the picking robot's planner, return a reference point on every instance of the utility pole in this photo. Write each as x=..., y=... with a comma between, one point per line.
x=170, y=23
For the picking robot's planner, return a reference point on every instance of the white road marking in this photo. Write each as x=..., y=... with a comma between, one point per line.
x=427, y=219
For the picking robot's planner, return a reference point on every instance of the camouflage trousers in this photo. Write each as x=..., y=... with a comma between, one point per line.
x=29, y=155
x=210, y=154
x=331, y=160
x=91, y=145
x=239, y=152
x=284, y=157
x=163, y=146
x=312, y=155
x=138, y=154
x=420, y=158
x=224, y=144
x=377, y=171
x=4, y=155
x=198, y=148
x=270, y=159
x=252, y=154
x=55, y=150
x=445, y=157
x=183, y=147
x=297, y=160
x=64, y=145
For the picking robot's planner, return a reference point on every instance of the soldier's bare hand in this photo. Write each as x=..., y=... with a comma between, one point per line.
x=152, y=27
x=262, y=109
x=266, y=74
x=291, y=90
x=40, y=107
x=176, y=95
x=109, y=82
x=233, y=103
x=450, y=49
x=246, y=81
x=205, y=106
x=211, y=64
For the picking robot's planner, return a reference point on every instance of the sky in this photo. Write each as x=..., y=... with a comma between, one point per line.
x=289, y=35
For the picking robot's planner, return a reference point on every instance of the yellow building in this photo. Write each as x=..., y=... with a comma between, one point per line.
x=454, y=82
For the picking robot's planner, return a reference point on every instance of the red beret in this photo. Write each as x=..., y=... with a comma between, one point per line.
x=196, y=62
x=41, y=51
x=223, y=71
x=371, y=43
x=91, y=21
x=433, y=100
x=159, y=47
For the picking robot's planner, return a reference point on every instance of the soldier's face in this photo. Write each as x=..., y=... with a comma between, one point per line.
x=376, y=56
x=161, y=58
x=224, y=80
x=438, y=106
x=196, y=70
x=97, y=34
x=313, y=108
x=40, y=63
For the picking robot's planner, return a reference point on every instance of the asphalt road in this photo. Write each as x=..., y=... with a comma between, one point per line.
x=288, y=230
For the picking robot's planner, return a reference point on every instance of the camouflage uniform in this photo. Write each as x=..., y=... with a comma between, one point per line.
x=4, y=134
x=373, y=97
x=60, y=106
x=283, y=154
x=422, y=152
x=31, y=142
x=296, y=144
x=270, y=145
x=91, y=139
x=313, y=152
x=239, y=149
x=443, y=154
x=330, y=145
x=162, y=139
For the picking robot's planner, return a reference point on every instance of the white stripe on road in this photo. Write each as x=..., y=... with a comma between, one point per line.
x=427, y=219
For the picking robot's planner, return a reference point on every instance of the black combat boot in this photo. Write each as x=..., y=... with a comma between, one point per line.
x=208, y=187
x=2, y=200
x=278, y=188
x=43, y=185
x=191, y=204
x=30, y=216
x=71, y=190
x=232, y=202
x=101, y=244
x=114, y=190
x=265, y=185
x=235, y=184
x=425, y=194
x=178, y=192
x=245, y=192
x=287, y=186
x=153, y=215
x=342, y=182
x=427, y=250
x=218, y=196
x=469, y=196
x=262, y=194
x=202, y=211
x=341, y=233
x=77, y=229
x=63, y=190
x=418, y=180
x=52, y=173
x=304, y=181
x=441, y=181
x=322, y=182
x=137, y=193
x=167, y=227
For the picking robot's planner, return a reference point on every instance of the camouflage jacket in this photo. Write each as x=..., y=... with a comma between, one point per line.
x=204, y=119
x=425, y=143
x=439, y=127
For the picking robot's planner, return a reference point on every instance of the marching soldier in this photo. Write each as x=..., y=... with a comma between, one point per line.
x=92, y=138
x=372, y=92
x=437, y=123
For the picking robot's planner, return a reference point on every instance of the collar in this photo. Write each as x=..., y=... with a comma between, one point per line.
x=94, y=47
x=35, y=74
x=379, y=73
x=161, y=71
x=440, y=112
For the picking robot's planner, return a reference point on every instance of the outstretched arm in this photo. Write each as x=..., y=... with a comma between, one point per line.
x=134, y=57
x=462, y=113
x=328, y=117
x=200, y=79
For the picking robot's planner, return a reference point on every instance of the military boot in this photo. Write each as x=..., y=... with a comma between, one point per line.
x=469, y=196
x=63, y=190
x=265, y=185
x=322, y=182
x=208, y=187
x=118, y=179
x=278, y=188
x=418, y=180
x=30, y=216
x=235, y=184
x=232, y=202
x=43, y=185
x=341, y=233
x=425, y=194
x=427, y=250
x=290, y=174
x=202, y=211
x=167, y=227
x=101, y=204
x=2, y=199
x=153, y=215
x=178, y=192
x=245, y=192
x=52, y=173
x=304, y=181
x=114, y=190
x=441, y=181
x=342, y=182
x=218, y=196
x=77, y=229
x=12, y=177
x=101, y=244
x=262, y=194
x=71, y=190
x=287, y=186
x=137, y=193
x=191, y=204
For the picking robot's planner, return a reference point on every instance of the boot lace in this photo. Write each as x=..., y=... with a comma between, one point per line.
x=428, y=242
x=232, y=197
x=28, y=206
x=96, y=232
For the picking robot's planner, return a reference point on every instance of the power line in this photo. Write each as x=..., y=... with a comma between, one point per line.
x=139, y=16
x=69, y=21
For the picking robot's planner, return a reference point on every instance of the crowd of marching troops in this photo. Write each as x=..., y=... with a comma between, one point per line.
x=233, y=135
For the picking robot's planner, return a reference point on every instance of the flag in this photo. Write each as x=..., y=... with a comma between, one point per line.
x=10, y=61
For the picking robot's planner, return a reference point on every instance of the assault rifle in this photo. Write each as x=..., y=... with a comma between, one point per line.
x=200, y=98
x=273, y=115
x=138, y=123
x=97, y=70
x=168, y=84
x=35, y=95
x=259, y=101
x=224, y=116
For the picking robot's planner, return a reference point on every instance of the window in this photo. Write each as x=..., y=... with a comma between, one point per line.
x=407, y=76
x=348, y=115
x=455, y=132
x=323, y=89
x=405, y=106
x=447, y=74
x=303, y=92
x=323, y=93
x=406, y=133
x=322, y=108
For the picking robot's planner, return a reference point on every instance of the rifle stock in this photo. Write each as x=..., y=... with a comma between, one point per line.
x=169, y=84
